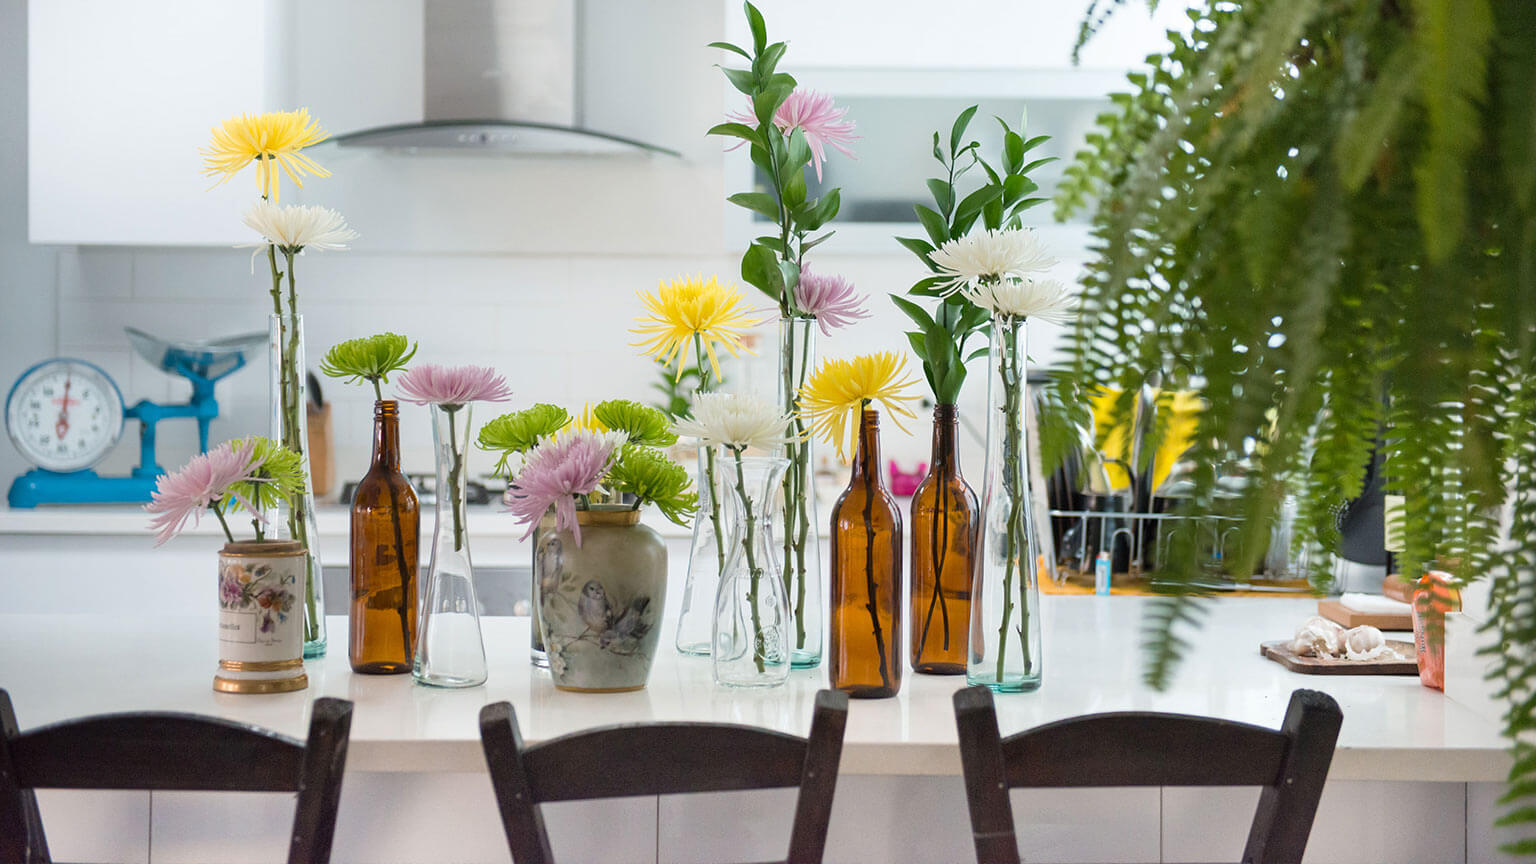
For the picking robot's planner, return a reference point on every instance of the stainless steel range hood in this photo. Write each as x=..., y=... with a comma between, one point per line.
x=500, y=76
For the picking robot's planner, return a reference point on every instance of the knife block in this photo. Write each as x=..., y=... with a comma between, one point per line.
x=322, y=462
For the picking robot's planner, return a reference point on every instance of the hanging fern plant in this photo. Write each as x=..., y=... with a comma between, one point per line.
x=1319, y=215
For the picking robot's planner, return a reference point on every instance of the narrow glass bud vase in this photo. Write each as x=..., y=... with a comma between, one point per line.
x=944, y=517
x=1005, y=599
x=386, y=525
x=295, y=520
x=706, y=557
x=864, y=660
x=751, y=611
x=449, y=649
x=796, y=530
x=543, y=572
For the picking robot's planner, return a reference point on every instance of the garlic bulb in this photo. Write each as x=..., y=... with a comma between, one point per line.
x=1318, y=637
x=1364, y=643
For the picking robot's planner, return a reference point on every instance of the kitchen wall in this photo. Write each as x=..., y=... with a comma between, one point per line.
x=552, y=315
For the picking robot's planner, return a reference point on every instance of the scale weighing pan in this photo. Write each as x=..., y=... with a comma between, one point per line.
x=209, y=359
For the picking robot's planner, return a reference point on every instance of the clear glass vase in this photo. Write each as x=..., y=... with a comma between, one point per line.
x=752, y=625
x=295, y=520
x=796, y=529
x=1005, y=600
x=706, y=558
x=541, y=576
x=449, y=649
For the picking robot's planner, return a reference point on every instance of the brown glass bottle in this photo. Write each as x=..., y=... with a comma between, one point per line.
x=865, y=660
x=944, y=528
x=386, y=524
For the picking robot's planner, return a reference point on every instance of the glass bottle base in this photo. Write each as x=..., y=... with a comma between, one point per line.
x=938, y=668
x=694, y=649
x=449, y=683
x=314, y=649
x=1010, y=684
x=538, y=659
x=855, y=692
x=381, y=668
x=804, y=659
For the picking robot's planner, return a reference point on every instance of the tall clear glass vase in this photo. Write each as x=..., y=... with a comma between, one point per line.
x=449, y=649
x=295, y=520
x=796, y=531
x=706, y=557
x=752, y=630
x=1005, y=643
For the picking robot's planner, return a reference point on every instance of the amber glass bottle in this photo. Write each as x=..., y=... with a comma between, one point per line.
x=386, y=522
x=943, y=551
x=865, y=658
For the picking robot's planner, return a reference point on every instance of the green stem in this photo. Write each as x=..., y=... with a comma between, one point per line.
x=219, y=512
x=938, y=543
x=870, y=588
x=455, y=477
x=290, y=406
x=378, y=392
x=710, y=478
x=1013, y=535
x=748, y=541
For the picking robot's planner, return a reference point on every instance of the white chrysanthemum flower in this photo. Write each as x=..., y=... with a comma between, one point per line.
x=1041, y=299
x=735, y=421
x=991, y=256
x=299, y=226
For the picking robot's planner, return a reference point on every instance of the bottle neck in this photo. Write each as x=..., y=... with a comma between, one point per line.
x=866, y=462
x=946, y=424
x=386, y=434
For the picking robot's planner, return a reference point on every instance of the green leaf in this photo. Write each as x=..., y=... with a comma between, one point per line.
x=760, y=268
x=808, y=245
x=918, y=314
x=794, y=189
x=1013, y=152
x=774, y=243
x=1451, y=37
x=767, y=101
x=737, y=130
x=741, y=79
x=979, y=352
x=732, y=48
x=798, y=154
x=943, y=195
x=957, y=132
x=971, y=204
x=758, y=202
x=819, y=212
x=1035, y=142
x=938, y=153
x=758, y=27
x=769, y=59
x=917, y=247
x=1361, y=143
x=933, y=223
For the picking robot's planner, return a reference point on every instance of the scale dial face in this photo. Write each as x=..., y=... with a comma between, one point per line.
x=64, y=415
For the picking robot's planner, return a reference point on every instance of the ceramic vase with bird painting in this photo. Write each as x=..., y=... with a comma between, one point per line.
x=600, y=602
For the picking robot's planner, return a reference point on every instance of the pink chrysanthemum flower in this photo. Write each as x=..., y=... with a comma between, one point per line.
x=452, y=386
x=203, y=480
x=815, y=115
x=556, y=471
x=830, y=300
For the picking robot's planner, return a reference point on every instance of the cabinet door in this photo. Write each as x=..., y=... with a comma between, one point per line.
x=120, y=98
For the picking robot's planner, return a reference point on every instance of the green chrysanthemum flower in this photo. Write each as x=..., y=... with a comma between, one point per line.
x=645, y=426
x=371, y=359
x=519, y=431
x=277, y=472
x=654, y=479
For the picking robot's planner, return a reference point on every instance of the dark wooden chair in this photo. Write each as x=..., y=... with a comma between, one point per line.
x=1136, y=748
x=663, y=759
x=166, y=751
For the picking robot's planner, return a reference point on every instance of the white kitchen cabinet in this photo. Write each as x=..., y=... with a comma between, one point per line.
x=120, y=97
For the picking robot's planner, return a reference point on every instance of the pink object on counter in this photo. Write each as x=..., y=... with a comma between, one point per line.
x=903, y=483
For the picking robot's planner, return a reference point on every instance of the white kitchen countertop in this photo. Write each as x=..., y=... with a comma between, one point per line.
x=60, y=666
x=485, y=520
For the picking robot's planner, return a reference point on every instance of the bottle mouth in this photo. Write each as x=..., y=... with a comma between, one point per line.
x=386, y=408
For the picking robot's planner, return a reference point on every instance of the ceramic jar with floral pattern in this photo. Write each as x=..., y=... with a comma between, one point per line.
x=261, y=617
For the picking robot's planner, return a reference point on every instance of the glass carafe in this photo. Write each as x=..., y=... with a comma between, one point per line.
x=449, y=649
x=295, y=520
x=752, y=624
x=706, y=556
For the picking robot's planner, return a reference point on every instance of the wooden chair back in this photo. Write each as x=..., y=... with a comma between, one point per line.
x=663, y=759
x=1137, y=748
x=167, y=751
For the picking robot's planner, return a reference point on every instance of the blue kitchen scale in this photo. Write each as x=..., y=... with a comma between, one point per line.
x=65, y=415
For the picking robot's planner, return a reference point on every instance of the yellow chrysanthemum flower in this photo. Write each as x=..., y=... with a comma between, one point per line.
x=840, y=389
x=272, y=140
x=691, y=310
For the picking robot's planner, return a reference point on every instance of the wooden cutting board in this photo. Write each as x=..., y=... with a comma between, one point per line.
x=1337, y=612
x=1402, y=660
